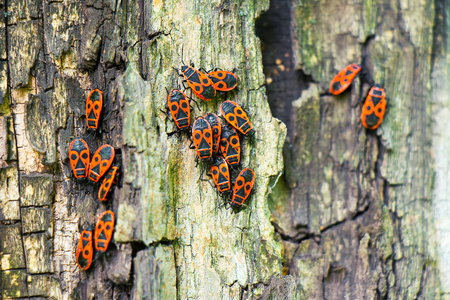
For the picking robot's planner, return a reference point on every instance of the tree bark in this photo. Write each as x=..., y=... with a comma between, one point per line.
x=171, y=240
x=338, y=212
x=356, y=208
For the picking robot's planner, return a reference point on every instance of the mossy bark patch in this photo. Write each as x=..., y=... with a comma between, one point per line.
x=36, y=190
x=37, y=220
x=46, y=113
x=9, y=194
x=13, y=284
x=25, y=40
x=11, y=247
x=38, y=251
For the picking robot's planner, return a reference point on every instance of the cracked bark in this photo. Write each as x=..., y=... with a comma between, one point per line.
x=171, y=241
x=352, y=217
x=354, y=208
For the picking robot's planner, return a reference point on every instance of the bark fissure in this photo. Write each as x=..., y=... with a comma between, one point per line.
x=13, y=115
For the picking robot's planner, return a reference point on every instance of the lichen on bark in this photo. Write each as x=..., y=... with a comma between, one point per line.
x=215, y=251
x=354, y=192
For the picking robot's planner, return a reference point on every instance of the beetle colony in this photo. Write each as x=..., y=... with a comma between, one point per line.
x=94, y=167
x=216, y=140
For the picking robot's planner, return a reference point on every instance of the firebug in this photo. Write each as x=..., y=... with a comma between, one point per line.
x=237, y=117
x=200, y=84
x=223, y=81
x=79, y=158
x=344, y=78
x=104, y=231
x=242, y=187
x=202, y=135
x=230, y=145
x=85, y=250
x=107, y=183
x=374, y=108
x=101, y=161
x=94, y=103
x=178, y=105
x=216, y=127
x=221, y=174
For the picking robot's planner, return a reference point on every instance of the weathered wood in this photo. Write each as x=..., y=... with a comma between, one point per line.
x=26, y=36
x=9, y=194
x=11, y=247
x=37, y=220
x=119, y=271
x=363, y=196
x=13, y=284
x=38, y=250
x=36, y=190
x=351, y=218
x=155, y=272
x=440, y=139
x=43, y=285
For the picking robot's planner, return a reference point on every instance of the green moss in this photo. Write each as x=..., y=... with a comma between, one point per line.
x=173, y=173
x=4, y=106
x=370, y=16
x=310, y=49
x=278, y=194
x=387, y=238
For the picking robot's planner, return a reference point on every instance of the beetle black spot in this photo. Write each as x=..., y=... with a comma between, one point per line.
x=73, y=156
x=84, y=155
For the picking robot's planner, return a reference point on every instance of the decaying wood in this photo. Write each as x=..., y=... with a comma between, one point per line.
x=354, y=209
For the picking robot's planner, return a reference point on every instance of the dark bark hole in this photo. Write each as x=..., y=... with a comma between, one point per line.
x=137, y=246
x=284, y=84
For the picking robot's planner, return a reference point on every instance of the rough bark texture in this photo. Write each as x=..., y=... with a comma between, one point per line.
x=355, y=207
x=171, y=240
x=352, y=216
